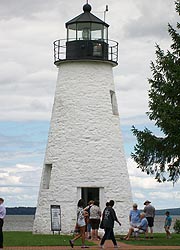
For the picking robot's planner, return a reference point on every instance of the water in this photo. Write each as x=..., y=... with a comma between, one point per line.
x=25, y=223
x=159, y=223
x=18, y=223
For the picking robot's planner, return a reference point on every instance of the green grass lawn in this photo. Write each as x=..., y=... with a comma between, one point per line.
x=29, y=239
x=159, y=239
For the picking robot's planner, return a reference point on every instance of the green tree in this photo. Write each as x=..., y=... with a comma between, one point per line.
x=160, y=156
x=176, y=226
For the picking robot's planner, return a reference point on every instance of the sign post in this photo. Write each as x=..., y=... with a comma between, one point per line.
x=55, y=218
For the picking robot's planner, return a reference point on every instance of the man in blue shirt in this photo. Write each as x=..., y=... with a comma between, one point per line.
x=141, y=228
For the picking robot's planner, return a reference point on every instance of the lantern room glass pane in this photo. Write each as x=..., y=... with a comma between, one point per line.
x=71, y=32
x=83, y=31
x=105, y=34
x=97, y=31
x=96, y=35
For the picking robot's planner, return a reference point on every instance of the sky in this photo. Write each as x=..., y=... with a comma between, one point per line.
x=28, y=79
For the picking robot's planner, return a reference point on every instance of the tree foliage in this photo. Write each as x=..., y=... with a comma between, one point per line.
x=160, y=156
x=176, y=226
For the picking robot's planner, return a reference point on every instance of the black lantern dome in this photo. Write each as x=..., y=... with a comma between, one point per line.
x=87, y=7
x=87, y=38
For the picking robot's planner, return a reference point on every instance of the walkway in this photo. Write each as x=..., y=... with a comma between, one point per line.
x=108, y=246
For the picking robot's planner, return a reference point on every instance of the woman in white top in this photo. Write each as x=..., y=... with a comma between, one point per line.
x=81, y=224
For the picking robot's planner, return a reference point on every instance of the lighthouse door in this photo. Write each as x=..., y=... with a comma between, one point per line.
x=88, y=194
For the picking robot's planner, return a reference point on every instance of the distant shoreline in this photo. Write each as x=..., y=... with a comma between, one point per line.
x=20, y=210
x=32, y=210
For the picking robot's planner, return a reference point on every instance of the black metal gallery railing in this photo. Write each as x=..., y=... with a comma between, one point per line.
x=85, y=49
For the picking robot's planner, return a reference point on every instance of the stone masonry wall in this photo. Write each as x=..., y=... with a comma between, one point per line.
x=85, y=147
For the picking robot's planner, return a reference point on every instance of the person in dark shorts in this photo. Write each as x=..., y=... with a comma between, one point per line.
x=94, y=218
x=81, y=224
x=167, y=224
x=88, y=225
x=149, y=211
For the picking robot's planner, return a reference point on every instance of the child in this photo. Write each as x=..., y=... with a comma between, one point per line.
x=167, y=224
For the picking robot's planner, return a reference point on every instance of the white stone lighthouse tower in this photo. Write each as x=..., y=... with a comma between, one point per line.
x=84, y=155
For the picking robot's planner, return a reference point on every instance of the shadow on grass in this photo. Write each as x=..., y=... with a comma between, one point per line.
x=159, y=239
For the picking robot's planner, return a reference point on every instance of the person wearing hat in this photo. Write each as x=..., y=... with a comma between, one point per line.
x=149, y=211
x=2, y=215
x=134, y=216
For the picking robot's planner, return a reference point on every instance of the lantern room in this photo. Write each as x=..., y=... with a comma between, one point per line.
x=87, y=27
x=87, y=39
x=87, y=36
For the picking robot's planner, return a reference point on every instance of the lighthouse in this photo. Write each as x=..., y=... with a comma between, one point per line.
x=84, y=156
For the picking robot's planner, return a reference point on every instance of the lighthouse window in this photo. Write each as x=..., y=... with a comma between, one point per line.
x=47, y=175
x=97, y=49
x=114, y=103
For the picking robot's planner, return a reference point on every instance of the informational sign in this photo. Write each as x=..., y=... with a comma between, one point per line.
x=55, y=218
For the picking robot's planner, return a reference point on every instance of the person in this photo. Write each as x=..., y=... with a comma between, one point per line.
x=108, y=218
x=134, y=216
x=101, y=223
x=94, y=217
x=167, y=224
x=141, y=228
x=81, y=224
x=2, y=216
x=149, y=210
x=88, y=225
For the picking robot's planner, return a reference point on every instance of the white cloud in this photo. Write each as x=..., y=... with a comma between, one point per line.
x=140, y=179
x=144, y=183
x=24, y=168
x=156, y=195
x=146, y=187
x=20, y=175
x=8, y=179
x=11, y=190
x=149, y=23
x=138, y=195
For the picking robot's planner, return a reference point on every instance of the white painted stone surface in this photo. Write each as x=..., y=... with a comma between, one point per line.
x=84, y=146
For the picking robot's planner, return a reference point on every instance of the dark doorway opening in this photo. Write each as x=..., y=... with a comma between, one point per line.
x=88, y=194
